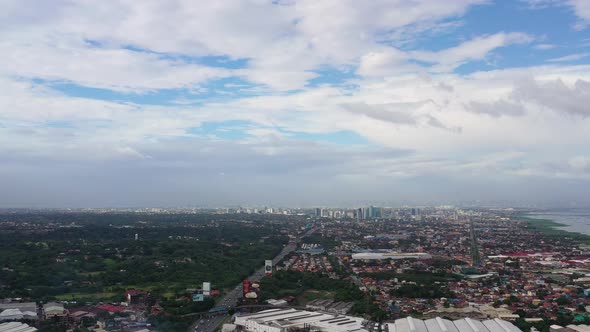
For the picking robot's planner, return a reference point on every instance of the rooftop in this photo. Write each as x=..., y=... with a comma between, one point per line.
x=438, y=324
x=288, y=318
x=16, y=327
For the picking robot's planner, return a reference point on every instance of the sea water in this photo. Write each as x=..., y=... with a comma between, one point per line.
x=575, y=220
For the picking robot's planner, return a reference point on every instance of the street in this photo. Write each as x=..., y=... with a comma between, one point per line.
x=210, y=324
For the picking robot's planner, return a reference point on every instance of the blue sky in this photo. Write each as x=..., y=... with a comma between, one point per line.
x=232, y=103
x=550, y=26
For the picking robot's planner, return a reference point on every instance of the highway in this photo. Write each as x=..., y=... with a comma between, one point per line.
x=230, y=299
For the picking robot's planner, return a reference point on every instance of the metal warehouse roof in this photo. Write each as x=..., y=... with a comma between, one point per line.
x=22, y=306
x=438, y=324
x=292, y=318
x=16, y=327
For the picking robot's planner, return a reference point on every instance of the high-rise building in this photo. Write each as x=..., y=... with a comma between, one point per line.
x=371, y=212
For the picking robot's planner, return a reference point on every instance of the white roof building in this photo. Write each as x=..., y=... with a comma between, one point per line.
x=16, y=327
x=228, y=327
x=276, y=302
x=281, y=320
x=16, y=314
x=391, y=255
x=53, y=308
x=284, y=319
x=438, y=324
x=22, y=306
x=579, y=328
x=11, y=314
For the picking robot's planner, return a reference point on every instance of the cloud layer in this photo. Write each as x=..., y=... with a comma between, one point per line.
x=120, y=103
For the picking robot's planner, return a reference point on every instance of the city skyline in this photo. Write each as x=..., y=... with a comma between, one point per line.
x=294, y=103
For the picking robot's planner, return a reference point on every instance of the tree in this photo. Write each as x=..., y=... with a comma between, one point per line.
x=562, y=300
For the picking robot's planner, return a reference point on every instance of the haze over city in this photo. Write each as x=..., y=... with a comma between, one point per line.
x=294, y=103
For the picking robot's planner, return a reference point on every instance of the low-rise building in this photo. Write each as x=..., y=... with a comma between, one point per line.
x=17, y=314
x=438, y=324
x=282, y=320
x=16, y=327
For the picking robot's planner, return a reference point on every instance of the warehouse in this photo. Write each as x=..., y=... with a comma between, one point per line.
x=285, y=319
x=438, y=324
x=16, y=327
x=22, y=306
x=390, y=255
x=16, y=314
x=280, y=320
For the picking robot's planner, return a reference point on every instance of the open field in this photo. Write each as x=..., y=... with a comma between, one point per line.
x=312, y=294
x=90, y=296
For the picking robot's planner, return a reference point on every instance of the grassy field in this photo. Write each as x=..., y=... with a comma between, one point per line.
x=90, y=273
x=312, y=294
x=111, y=293
x=166, y=291
x=90, y=296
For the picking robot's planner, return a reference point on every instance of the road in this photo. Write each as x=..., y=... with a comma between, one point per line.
x=475, y=257
x=210, y=324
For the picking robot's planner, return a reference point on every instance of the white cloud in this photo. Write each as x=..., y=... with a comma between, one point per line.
x=582, y=9
x=419, y=113
x=557, y=95
x=475, y=49
x=540, y=4
x=498, y=108
x=545, y=46
x=390, y=61
x=383, y=63
x=571, y=57
x=580, y=163
x=422, y=122
x=283, y=43
x=120, y=70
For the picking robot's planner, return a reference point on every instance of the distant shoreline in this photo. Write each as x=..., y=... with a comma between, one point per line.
x=552, y=228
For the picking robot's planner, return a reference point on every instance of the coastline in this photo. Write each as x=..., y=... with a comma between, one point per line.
x=552, y=228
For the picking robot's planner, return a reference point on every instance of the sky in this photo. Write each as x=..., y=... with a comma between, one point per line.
x=119, y=103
